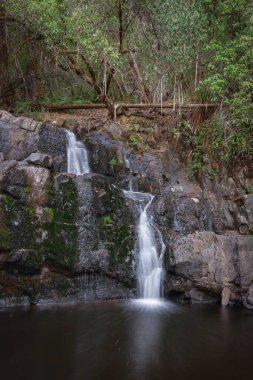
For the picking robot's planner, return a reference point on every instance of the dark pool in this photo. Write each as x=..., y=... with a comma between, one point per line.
x=126, y=340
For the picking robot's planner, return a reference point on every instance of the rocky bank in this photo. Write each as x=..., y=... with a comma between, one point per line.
x=65, y=237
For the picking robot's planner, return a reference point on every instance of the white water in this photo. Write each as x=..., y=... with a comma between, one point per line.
x=77, y=155
x=149, y=270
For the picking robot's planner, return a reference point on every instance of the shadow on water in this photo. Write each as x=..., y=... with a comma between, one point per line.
x=126, y=340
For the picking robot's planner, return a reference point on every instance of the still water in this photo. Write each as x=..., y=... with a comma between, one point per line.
x=126, y=340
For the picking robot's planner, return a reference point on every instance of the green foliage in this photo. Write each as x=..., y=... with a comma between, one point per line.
x=107, y=219
x=249, y=188
x=200, y=50
x=22, y=106
x=134, y=141
x=115, y=162
x=49, y=211
x=229, y=78
x=26, y=189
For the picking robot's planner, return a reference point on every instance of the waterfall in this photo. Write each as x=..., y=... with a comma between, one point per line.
x=149, y=269
x=77, y=155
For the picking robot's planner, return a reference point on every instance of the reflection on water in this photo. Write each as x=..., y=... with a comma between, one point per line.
x=126, y=340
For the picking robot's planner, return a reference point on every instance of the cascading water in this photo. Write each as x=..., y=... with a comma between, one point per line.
x=77, y=155
x=149, y=269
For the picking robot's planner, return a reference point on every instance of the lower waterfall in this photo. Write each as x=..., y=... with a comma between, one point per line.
x=149, y=268
x=77, y=155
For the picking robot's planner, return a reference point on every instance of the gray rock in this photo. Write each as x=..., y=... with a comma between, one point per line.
x=5, y=166
x=114, y=130
x=40, y=159
x=214, y=261
x=27, y=182
x=53, y=141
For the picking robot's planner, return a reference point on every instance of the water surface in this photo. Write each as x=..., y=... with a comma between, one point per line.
x=126, y=340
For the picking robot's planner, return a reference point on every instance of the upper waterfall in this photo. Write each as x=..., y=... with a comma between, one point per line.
x=77, y=155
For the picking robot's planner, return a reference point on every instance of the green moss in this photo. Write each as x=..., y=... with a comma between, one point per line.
x=26, y=189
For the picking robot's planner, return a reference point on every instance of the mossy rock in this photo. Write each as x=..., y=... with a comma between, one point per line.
x=19, y=223
x=5, y=235
x=115, y=225
x=63, y=199
x=61, y=245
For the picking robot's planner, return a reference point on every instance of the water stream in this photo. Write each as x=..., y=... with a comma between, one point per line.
x=77, y=155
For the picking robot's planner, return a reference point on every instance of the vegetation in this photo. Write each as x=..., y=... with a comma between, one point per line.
x=59, y=51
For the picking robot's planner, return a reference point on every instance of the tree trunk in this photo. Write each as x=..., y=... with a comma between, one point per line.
x=3, y=64
x=145, y=94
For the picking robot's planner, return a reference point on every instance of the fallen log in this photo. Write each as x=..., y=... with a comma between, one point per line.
x=56, y=107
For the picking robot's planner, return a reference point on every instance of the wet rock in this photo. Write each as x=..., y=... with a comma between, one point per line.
x=53, y=141
x=24, y=261
x=107, y=155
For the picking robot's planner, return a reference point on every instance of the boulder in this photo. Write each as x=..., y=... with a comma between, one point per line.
x=25, y=181
x=40, y=159
x=214, y=262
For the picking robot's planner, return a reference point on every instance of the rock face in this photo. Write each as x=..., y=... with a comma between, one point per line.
x=72, y=237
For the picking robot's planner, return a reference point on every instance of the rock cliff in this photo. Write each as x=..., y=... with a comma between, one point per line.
x=65, y=237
